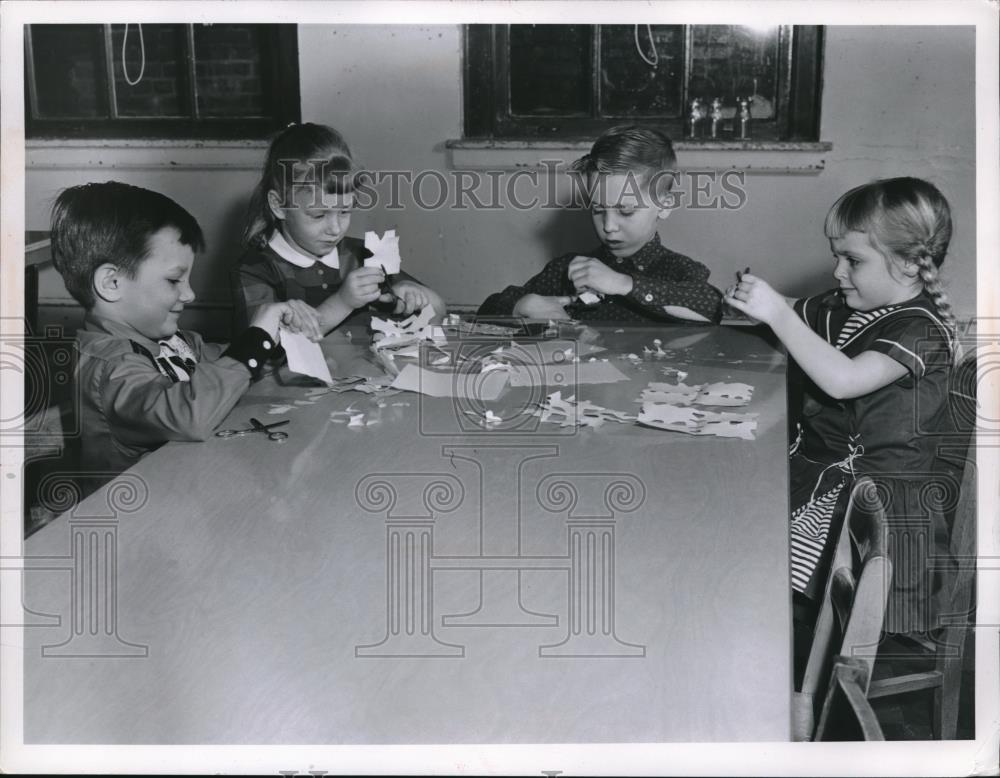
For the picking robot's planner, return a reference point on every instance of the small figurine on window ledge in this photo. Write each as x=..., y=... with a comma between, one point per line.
x=694, y=120
x=716, y=116
x=742, y=120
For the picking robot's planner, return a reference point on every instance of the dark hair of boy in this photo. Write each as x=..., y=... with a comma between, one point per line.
x=301, y=153
x=629, y=148
x=111, y=222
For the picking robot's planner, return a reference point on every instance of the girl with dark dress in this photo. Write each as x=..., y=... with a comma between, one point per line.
x=875, y=356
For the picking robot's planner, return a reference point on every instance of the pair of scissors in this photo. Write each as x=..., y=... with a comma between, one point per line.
x=257, y=427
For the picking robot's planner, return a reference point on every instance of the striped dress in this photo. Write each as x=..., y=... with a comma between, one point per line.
x=891, y=435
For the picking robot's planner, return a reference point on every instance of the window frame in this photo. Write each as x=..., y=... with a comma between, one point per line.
x=485, y=70
x=281, y=80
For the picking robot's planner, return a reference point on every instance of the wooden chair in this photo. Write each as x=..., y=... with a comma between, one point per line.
x=850, y=619
x=847, y=714
x=944, y=648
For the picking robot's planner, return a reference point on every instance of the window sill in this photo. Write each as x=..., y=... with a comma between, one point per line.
x=67, y=154
x=751, y=156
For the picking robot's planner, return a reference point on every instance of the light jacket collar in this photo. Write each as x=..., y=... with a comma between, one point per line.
x=94, y=323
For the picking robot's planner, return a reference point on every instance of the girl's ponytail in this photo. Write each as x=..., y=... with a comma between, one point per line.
x=313, y=146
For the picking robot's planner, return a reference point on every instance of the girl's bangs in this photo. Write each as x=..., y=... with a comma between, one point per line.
x=853, y=212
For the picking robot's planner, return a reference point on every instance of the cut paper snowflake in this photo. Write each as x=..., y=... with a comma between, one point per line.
x=413, y=329
x=385, y=251
x=570, y=413
x=725, y=394
x=719, y=393
x=693, y=421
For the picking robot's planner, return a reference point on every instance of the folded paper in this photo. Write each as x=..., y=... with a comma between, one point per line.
x=480, y=386
x=385, y=251
x=305, y=356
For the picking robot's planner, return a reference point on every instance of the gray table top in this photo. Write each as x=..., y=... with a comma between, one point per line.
x=422, y=579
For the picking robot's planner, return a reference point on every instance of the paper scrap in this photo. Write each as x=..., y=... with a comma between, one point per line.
x=589, y=298
x=276, y=409
x=570, y=413
x=693, y=421
x=718, y=393
x=409, y=331
x=482, y=386
x=385, y=251
x=305, y=356
x=477, y=328
x=566, y=375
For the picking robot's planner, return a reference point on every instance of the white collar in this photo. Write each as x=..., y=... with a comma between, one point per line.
x=286, y=251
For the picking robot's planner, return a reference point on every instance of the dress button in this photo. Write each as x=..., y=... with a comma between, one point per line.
x=323, y=286
x=319, y=270
x=640, y=267
x=252, y=362
x=618, y=260
x=266, y=345
x=649, y=298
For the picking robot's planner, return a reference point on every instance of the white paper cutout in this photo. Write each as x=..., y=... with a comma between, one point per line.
x=589, y=298
x=385, y=251
x=566, y=374
x=305, y=356
x=413, y=378
x=693, y=421
x=569, y=413
x=411, y=330
x=719, y=393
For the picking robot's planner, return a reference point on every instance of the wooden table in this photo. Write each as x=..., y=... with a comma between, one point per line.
x=422, y=579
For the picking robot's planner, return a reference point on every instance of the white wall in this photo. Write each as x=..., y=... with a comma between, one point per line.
x=896, y=101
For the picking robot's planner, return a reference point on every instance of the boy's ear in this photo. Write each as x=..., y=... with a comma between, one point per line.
x=274, y=203
x=107, y=282
x=663, y=213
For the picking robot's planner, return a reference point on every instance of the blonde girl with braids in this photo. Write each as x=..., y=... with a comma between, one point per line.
x=873, y=358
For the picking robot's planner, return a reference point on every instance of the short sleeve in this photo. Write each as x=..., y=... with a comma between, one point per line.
x=808, y=309
x=918, y=341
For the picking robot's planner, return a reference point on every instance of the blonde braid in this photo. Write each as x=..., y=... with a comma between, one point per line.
x=932, y=283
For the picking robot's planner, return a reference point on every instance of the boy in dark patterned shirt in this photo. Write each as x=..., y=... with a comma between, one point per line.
x=631, y=276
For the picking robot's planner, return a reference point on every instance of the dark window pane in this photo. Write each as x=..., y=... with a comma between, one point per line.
x=161, y=91
x=550, y=70
x=730, y=62
x=69, y=70
x=228, y=70
x=630, y=84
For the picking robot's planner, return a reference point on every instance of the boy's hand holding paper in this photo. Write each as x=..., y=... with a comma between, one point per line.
x=305, y=356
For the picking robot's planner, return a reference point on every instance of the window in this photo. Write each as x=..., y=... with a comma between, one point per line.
x=160, y=80
x=574, y=81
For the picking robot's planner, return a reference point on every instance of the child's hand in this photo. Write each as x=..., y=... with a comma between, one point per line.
x=302, y=317
x=536, y=306
x=589, y=273
x=411, y=297
x=755, y=297
x=361, y=287
x=268, y=317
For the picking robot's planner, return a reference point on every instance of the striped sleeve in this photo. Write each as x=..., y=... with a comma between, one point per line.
x=918, y=341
